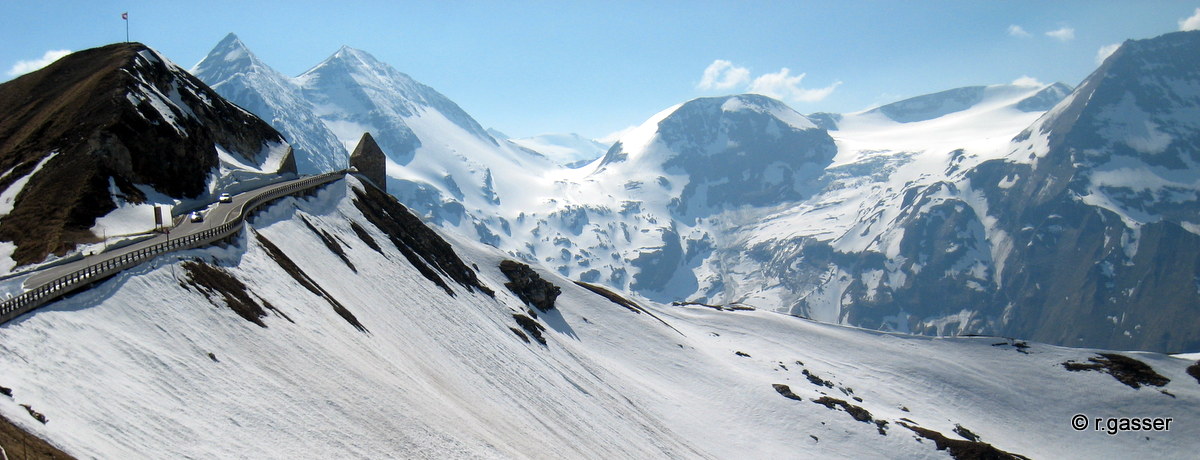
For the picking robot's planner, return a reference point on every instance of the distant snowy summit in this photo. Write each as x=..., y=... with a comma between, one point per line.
x=440, y=161
x=235, y=73
x=733, y=151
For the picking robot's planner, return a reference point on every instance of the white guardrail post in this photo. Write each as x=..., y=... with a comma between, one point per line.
x=36, y=297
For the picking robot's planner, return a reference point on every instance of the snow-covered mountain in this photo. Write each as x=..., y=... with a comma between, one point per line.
x=570, y=149
x=315, y=334
x=240, y=77
x=337, y=324
x=92, y=143
x=808, y=257
x=355, y=93
x=910, y=217
x=967, y=223
x=441, y=163
x=1100, y=205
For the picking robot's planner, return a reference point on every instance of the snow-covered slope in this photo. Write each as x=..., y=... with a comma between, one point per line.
x=1016, y=96
x=234, y=72
x=358, y=353
x=570, y=150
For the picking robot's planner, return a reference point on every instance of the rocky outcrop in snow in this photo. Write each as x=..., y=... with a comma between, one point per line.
x=369, y=160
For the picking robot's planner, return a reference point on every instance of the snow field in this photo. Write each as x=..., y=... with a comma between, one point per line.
x=122, y=371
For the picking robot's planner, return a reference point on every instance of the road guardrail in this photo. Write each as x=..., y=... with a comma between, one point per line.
x=40, y=295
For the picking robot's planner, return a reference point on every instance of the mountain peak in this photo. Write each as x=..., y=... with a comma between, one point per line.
x=738, y=150
x=231, y=39
x=350, y=58
x=701, y=121
x=1128, y=105
x=354, y=84
x=227, y=59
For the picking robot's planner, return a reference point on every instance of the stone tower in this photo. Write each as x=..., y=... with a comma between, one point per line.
x=370, y=162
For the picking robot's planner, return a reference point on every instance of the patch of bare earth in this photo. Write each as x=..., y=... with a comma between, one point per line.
x=19, y=444
x=217, y=282
x=366, y=237
x=961, y=449
x=420, y=245
x=301, y=277
x=1123, y=368
x=531, y=326
x=330, y=242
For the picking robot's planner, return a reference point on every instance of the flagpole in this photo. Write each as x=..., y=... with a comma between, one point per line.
x=125, y=16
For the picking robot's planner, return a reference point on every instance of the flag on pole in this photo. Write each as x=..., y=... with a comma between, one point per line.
x=125, y=16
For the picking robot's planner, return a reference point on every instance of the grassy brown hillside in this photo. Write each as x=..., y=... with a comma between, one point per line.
x=117, y=116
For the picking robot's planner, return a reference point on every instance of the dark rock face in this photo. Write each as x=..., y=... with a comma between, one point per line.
x=1126, y=370
x=420, y=245
x=961, y=449
x=120, y=115
x=1081, y=274
x=529, y=286
x=1084, y=240
x=369, y=159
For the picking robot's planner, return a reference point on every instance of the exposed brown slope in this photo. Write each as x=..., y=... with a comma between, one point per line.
x=80, y=107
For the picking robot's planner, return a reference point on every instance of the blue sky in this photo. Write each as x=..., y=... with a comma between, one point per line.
x=528, y=67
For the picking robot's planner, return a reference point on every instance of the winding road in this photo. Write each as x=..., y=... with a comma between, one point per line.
x=220, y=221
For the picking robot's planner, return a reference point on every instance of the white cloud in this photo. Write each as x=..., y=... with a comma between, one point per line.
x=782, y=85
x=1063, y=34
x=1192, y=22
x=1027, y=80
x=1105, y=51
x=24, y=67
x=1018, y=31
x=725, y=75
x=722, y=74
